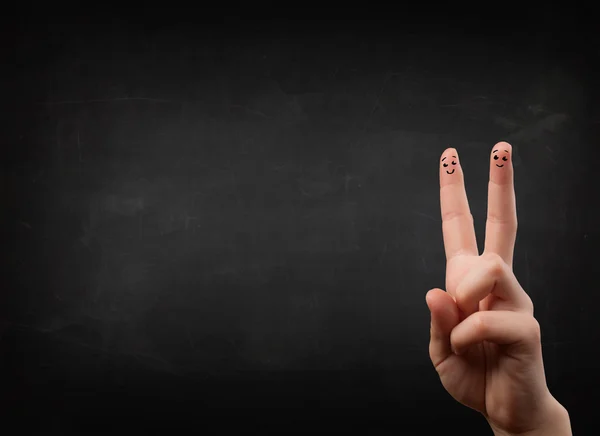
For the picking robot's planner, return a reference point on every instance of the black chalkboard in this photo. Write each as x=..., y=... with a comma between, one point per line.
x=244, y=221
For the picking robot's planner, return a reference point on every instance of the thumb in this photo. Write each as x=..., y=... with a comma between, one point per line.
x=444, y=317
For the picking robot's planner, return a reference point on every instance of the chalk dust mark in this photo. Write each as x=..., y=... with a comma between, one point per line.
x=416, y=212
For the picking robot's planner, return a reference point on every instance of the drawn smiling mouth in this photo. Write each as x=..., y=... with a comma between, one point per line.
x=499, y=166
x=448, y=172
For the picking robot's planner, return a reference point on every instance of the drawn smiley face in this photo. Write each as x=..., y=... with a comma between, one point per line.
x=499, y=159
x=446, y=164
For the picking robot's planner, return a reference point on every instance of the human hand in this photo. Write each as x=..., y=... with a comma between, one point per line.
x=485, y=343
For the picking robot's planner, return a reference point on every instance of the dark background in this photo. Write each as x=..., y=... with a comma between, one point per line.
x=216, y=217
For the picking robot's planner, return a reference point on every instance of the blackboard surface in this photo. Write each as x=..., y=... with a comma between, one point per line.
x=239, y=220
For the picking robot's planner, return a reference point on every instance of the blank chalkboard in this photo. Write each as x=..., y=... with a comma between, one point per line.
x=244, y=223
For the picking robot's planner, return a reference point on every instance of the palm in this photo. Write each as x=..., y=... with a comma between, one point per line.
x=480, y=376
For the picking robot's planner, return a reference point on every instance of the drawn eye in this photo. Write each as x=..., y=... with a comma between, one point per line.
x=496, y=157
x=504, y=158
x=453, y=163
x=445, y=165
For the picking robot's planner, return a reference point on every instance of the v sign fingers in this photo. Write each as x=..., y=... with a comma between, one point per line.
x=501, y=227
x=491, y=275
x=457, y=221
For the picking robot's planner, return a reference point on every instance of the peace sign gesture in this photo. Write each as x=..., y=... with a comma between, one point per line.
x=485, y=343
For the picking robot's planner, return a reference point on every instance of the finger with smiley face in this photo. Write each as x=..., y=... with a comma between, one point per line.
x=457, y=221
x=501, y=163
x=449, y=166
x=501, y=227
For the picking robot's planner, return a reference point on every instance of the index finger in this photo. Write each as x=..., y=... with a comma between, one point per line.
x=457, y=221
x=501, y=226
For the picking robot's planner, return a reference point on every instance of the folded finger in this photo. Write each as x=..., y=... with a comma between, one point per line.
x=518, y=330
x=491, y=275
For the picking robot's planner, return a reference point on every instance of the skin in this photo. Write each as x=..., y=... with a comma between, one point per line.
x=485, y=342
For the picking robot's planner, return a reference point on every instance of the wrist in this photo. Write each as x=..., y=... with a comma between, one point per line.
x=554, y=421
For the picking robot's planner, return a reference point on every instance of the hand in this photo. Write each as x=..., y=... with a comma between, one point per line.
x=485, y=343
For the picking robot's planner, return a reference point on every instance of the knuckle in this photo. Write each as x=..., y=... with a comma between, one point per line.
x=496, y=265
x=508, y=222
x=481, y=324
x=459, y=293
x=464, y=296
x=535, y=330
x=529, y=305
x=498, y=219
x=451, y=215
